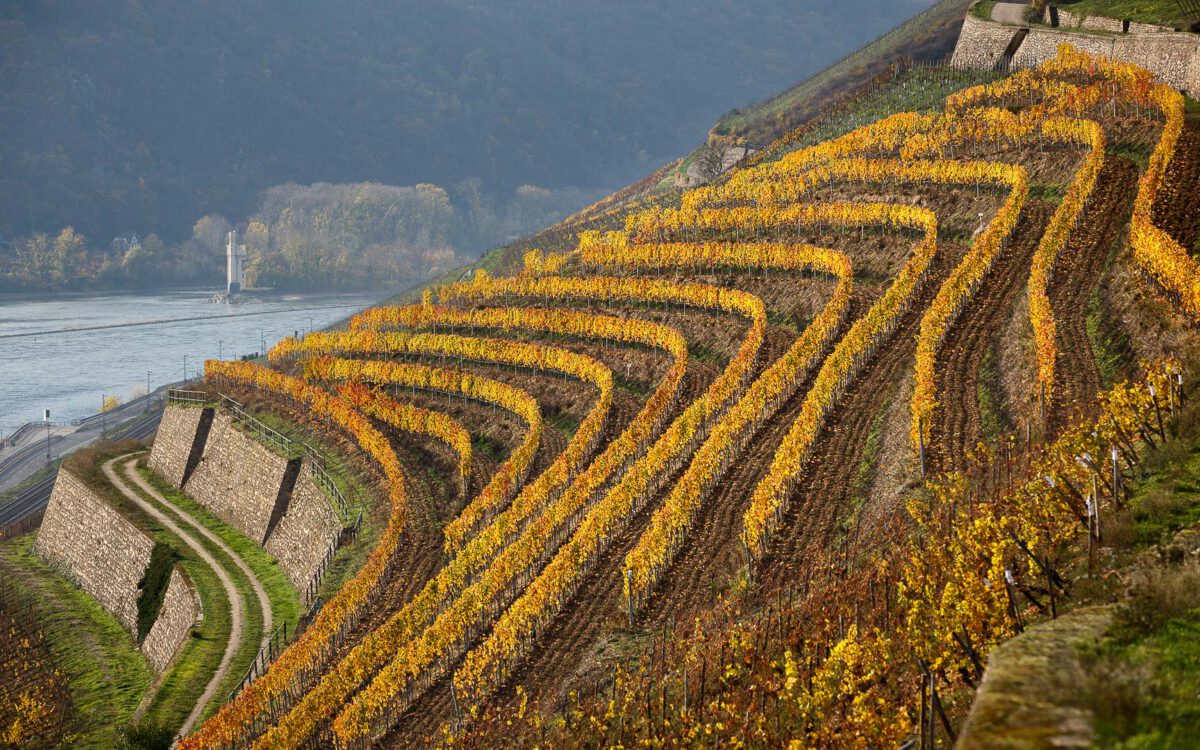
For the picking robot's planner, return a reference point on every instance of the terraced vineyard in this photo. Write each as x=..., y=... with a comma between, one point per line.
x=771, y=379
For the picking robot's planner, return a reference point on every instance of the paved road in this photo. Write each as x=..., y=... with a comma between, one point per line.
x=27, y=454
x=237, y=617
x=34, y=498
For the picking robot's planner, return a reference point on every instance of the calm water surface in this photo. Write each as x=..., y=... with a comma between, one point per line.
x=47, y=362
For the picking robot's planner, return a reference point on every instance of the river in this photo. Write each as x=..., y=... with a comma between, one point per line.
x=67, y=353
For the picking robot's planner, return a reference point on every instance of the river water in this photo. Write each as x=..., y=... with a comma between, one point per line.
x=48, y=362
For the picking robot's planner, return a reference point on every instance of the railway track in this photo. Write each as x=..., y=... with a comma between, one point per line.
x=35, y=498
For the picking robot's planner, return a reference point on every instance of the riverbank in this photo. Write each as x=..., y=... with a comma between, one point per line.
x=68, y=353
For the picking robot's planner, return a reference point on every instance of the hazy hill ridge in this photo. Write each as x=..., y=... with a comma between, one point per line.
x=138, y=116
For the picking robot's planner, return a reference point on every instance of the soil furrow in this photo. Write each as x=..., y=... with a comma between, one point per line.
x=1175, y=209
x=958, y=421
x=1079, y=268
x=824, y=491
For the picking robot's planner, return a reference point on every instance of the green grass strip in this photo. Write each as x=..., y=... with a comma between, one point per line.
x=106, y=673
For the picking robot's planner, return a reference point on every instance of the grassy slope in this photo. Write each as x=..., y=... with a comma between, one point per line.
x=285, y=604
x=1143, y=678
x=930, y=33
x=106, y=673
x=182, y=685
x=1161, y=12
x=350, y=557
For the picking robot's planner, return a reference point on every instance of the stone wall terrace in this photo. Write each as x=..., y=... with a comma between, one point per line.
x=93, y=545
x=179, y=442
x=243, y=482
x=180, y=610
x=1173, y=57
x=306, y=531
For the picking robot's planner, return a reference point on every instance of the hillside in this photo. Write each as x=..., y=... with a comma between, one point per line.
x=885, y=436
x=143, y=117
x=770, y=396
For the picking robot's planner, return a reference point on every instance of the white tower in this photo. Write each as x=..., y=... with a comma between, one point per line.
x=235, y=256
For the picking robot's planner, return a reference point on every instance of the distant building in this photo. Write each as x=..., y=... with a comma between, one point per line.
x=235, y=265
x=125, y=244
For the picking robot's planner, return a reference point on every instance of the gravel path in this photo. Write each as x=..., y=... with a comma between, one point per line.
x=236, y=615
x=1010, y=11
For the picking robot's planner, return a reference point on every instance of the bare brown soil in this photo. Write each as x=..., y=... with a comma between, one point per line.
x=1078, y=271
x=823, y=495
x=1175, y=209
x=958, y=421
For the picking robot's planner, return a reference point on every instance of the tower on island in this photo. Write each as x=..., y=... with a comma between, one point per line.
x=235, y=256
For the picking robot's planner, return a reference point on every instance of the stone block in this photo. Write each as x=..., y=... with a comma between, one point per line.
x=241, y=481
x=179, y=612
x=95, y=546
x=1173, y=57
x=179, y=442
x=306, y=531
x=1102, y=23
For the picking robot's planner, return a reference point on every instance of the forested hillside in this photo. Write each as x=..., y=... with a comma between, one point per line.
x=143, y=117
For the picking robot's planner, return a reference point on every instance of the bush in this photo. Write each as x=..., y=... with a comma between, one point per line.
x=146, y=736
x=1156, y=595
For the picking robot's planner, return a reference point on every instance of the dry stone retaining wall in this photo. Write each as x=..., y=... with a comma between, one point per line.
x=89, y=541
x=1173, y=57
x=177, y=443
x=273, y=500
x=306, y=531
x=981, y=44
x=240, y=480
x=1101, y=23
x=96, y=547
x=180, y=610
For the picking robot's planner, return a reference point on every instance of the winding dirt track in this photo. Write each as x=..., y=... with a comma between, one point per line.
x=1078, y=271
x=237, y=617
x=958, y=421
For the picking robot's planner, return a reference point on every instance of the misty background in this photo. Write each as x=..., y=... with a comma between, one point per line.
x=362, y=143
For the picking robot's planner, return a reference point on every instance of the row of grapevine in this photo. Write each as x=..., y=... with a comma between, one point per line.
x=521, y=549
x=301, y=662
x=545, y=320
x=486, y=350
x=1089, y=134
x=505, y=569
x=855, y=347
x=1159, y=255
x=408, y=418
x=421, y=660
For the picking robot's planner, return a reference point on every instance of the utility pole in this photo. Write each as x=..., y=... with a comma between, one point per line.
x=185, y=357
x=220, y=349
x=46, y=419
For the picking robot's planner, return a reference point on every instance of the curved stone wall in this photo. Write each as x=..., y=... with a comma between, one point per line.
x=1173, y=57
